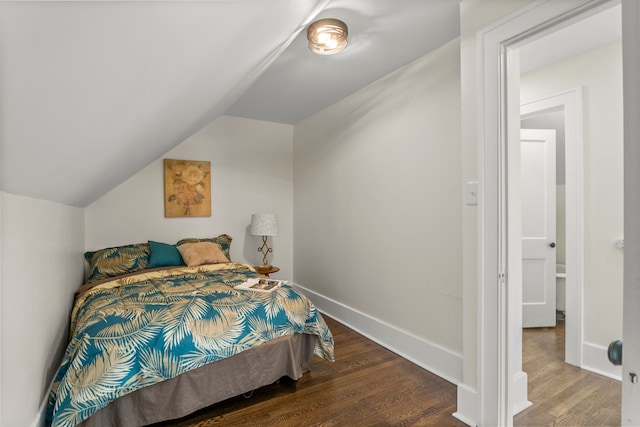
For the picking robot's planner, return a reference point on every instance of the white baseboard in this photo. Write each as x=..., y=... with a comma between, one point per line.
x=595, y=359
x=467, y=405
x=445, y=363
x=468, y=400
x=520, y=396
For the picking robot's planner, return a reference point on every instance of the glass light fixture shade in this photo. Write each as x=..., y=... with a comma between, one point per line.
x=327, y=36
x=264, y=225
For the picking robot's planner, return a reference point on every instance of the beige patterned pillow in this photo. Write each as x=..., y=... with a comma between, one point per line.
x=202, y=253
x=224, y=240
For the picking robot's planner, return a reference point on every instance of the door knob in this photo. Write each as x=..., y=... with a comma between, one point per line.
x=552, y=244
x=615, y=352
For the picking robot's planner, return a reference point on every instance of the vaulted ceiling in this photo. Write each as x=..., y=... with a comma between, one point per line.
x=93, y=91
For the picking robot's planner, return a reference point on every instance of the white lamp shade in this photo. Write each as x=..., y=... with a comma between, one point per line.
x=264, y=225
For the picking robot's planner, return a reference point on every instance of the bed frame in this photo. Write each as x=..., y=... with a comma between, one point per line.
x=177, y=397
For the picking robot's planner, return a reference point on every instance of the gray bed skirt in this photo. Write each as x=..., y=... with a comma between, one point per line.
x=175, y=398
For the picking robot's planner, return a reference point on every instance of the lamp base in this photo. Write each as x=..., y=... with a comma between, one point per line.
x=263, y=268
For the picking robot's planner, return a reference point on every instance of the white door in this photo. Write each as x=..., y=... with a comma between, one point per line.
x=631, y=304
x=538, y=170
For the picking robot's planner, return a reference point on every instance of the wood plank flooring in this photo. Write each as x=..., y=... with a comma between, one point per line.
x=564, y=395
x=369, y=385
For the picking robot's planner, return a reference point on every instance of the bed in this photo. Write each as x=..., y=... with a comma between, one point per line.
x=156, y=338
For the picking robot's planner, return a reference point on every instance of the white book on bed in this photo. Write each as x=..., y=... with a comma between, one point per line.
x=260, y=284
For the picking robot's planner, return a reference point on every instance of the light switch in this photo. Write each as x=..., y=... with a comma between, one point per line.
x=472, y=193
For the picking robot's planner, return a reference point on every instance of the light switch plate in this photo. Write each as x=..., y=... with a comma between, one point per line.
x=471, y=196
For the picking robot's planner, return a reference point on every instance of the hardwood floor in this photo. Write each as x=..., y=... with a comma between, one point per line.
x=369, y=385
x=563, y=394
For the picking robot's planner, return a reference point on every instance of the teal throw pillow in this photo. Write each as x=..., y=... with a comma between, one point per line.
x=164, y=255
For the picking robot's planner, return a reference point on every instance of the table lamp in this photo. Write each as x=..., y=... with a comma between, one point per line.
x=264, y=225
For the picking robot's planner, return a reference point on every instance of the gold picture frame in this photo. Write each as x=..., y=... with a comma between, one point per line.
x=187, y=188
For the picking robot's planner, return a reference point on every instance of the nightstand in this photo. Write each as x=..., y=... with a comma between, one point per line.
x=265, y=273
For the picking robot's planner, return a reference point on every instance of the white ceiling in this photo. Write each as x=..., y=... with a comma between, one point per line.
x=383, y=36
x=93, y=91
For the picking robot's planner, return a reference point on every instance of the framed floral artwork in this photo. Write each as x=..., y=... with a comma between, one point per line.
x=187, y=188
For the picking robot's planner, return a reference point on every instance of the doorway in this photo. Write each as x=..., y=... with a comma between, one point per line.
x=500, y=263
x=594, y=173
x=564, y=113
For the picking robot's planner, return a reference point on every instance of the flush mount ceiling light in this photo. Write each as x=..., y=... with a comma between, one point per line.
x=327, y=36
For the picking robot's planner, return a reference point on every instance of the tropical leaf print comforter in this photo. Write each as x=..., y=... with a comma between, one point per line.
x=136, y=331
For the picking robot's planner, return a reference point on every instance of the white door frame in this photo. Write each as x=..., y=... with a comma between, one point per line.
x=499, y=323
x=1, y=226
x=570, y=102
x=631, y=310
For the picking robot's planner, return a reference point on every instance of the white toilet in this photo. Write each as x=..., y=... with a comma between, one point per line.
x=561, y=277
